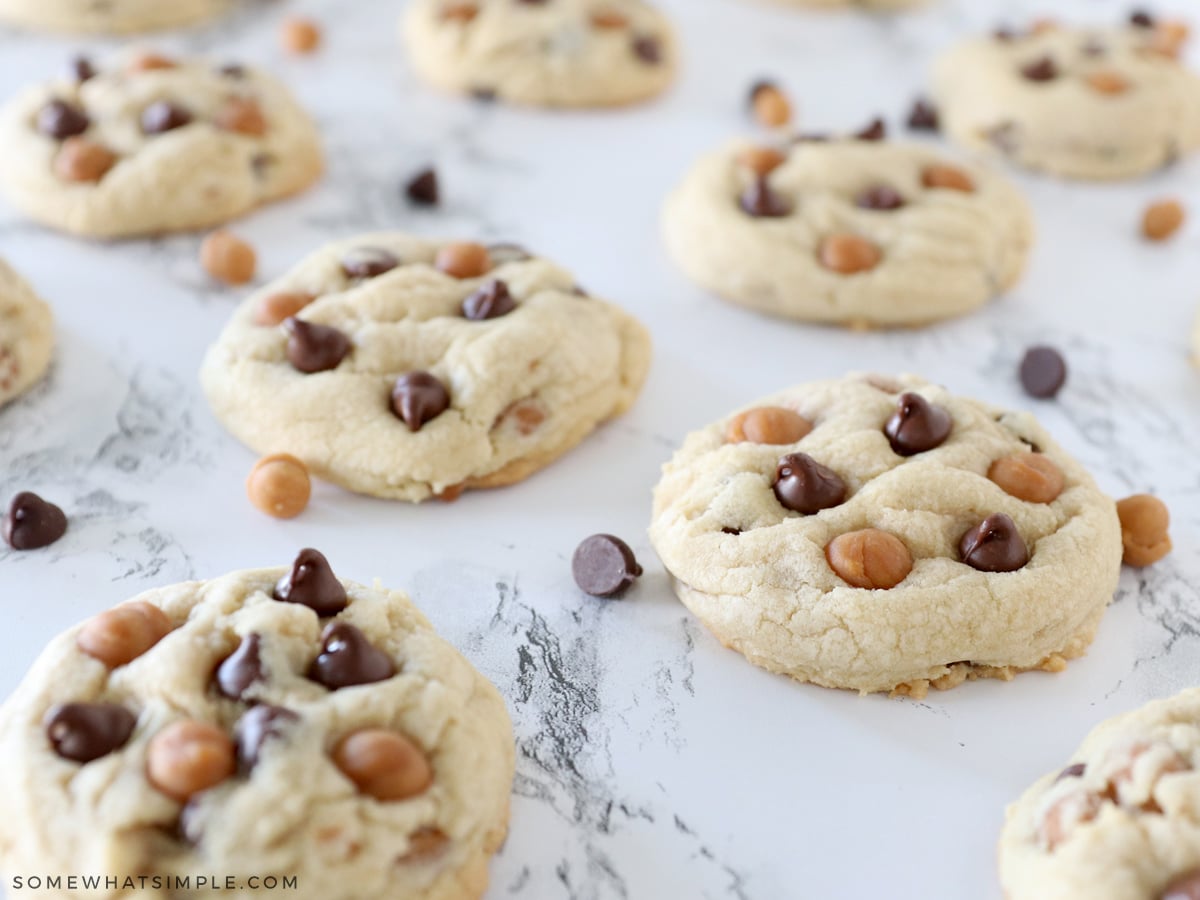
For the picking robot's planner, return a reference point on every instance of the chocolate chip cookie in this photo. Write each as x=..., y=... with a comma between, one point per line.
x=26, y=335
x=110, y=16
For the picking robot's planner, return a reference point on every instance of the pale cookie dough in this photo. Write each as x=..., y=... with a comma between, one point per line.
x=1076, y=102
x=110, y=16
x=549, y=53
x=284, y=806
x=1122, y=822
x=150, y=145
x=757, y=573
x=934, y=238
x=26, y=335
x=498, y=398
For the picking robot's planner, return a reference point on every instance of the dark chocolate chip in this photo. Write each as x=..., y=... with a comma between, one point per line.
x=507, y=253
x=32, y=522
x=347, y=658
x=423, y=189
x=647, y=49
x=805, y=486
x=1043, y=372
x=604, y=566
x=315, y=348
x=162, y=115
x=61, y=120
x=82, y=69
x=418, y=397
x=255, y=727
x=82, y=732
x=235, y=71
x=1072, y=771
x=1043, y=69
x=876, y=130
x=881, y=197
x=311, y=582
x=730, y=530
x=241, y=669
x=760, y=201
x=1141, y=18
x=1185, y=887
x=917, y=425
x=923, y=116
x=368, y=262
x=491, y=301
x=994, y=545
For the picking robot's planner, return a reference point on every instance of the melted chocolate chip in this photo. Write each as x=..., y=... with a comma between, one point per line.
x=880, y=197
x=61, y=120
x=805, y=486
x=491, y=301
x=1072, y=771
x=418, y=397
x=648, y=49
x=917, y=425
x=315, y=348
x=1043, y=69
x=255, y=727
x=32, y=523
x=82, y=69
x=604, y=566
x=876, y=130
x=347, y=658
x=311, y=582
x=994, y=545
x=1141, y=18
x=1043, y=372
x=760, y=201
x=368, y=262
x=730, y=530
x=923, y=116
x=82, y=732
x=241, y=669
x=423, y=188
x=162, y=116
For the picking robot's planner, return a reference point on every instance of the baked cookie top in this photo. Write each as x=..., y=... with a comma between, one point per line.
x=149, y=144
x=876, y=534
x=26, y=334
x=1073, y=101
x=111, y=16
x=857, y=231
x=273, y=722
x=1120, y=821
x=410, y=368
x=543, y=52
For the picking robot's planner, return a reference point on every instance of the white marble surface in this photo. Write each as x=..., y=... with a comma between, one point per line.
x=652, y=763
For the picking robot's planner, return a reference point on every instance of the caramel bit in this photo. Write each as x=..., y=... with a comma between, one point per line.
x=771, y=106
x=81, y=160
x=1144, y=523
x=1106, y=81
x=849, y=254
x=869, y=558
x=762, y=161
x=1162, y=219
x=767, y=425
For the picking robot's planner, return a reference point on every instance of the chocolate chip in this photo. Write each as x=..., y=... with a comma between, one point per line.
x=730, y=530
x=423, y=189
x=314, y=348
x=507, y=253
x=923, y=116
x=647, y=49
x=82, y=732
x=61, y=120
x=1141, y=18
x=1043, y=372
x=1185, y=887
x=162, y=116
x=760, y=201
x=1044, y=69
x=604, y=566
x=255, y=727
x=881, y=197
x=235, y=71
x=418, y=397
x=491, y=301
x=82, y=69
x=917, y=425
x=241, y=669
x=368, y=262
x=32, y=522
x=1072, y=771
x=347, y=658
x=311, y=582
x=994, y=545
x=805, y=486
x=875, y=131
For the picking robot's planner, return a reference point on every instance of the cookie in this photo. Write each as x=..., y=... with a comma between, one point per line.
x=274, y=723
x=26, y=335
x=149, y=145
x=111, y=16
x=409, y=368
x=1118, y=822
x=886, y=535
x=851, y=231
x=544, y=53
x=872, y=5
x=1077, y=102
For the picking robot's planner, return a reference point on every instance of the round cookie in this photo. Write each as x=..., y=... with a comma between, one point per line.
x=856, y=232
x=271, y=723
x=568, y=53
x=418, y=369
x=1119, y=822
x=1076, y=102
x=855, y=533
x=26, y=335
x=111, y=17
x=149, y=145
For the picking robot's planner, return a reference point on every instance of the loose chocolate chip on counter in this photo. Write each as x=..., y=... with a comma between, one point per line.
x=923, y=116
x=423, y=189
x=491, y=301
x=82, y=732
x=1140, y=18
x=760, y=201
x=647, y=49
x=61, y=120
x=315, y=348
x=1185, y=887
x=162, y=116
x=876, y=130
x=255, y=728
x=1043, y=69
x=805, y=486
x=604, y=566
x=347, y=658
x=32, y=523
x=917, y=425
x=368, y=262
x=1043, y=372
x=994, y=545
x=880, y=197
x=419, y=397
x=82, y=69
x=241, y=669
x=1072, y=771
x=311, y=583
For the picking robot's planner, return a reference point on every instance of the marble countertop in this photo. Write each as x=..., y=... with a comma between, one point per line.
x=651, y=762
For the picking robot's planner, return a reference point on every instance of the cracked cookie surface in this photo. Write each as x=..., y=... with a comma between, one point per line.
x=26, y=335
x=817, y=550
x=112, y=16
x=156, y=695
